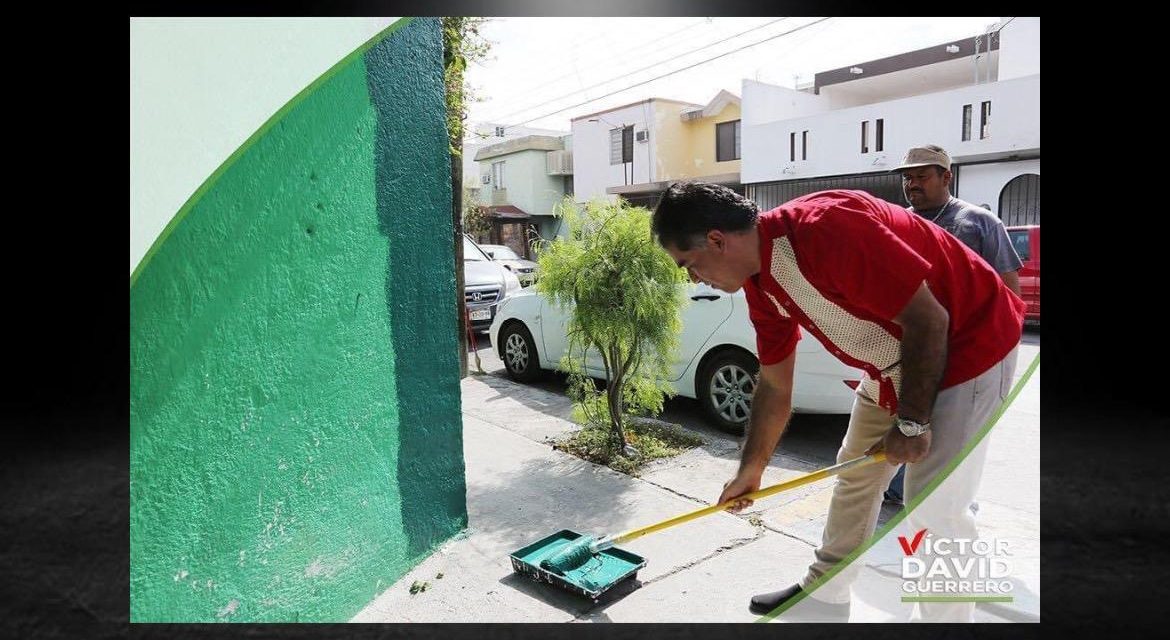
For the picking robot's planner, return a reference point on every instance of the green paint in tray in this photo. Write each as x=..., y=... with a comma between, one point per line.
x=591, y=579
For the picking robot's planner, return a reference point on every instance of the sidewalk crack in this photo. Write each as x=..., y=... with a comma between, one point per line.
x=730, y=546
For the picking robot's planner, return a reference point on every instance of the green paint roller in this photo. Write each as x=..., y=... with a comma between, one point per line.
x=581, y=550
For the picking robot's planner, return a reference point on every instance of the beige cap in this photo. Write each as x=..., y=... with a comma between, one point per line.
x=924, y=157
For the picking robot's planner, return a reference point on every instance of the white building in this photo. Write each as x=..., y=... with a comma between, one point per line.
x=978, y=98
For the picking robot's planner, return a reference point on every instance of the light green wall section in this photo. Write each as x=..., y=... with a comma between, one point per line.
x=527, y=181
x=201, y=86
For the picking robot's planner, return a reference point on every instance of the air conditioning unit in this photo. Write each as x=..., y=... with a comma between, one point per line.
x=559, y=163
x=642, y=136
x=485, y=179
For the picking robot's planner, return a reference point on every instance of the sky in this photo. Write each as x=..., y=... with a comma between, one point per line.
x=540, y=70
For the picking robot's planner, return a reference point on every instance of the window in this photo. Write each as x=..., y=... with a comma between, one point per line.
x=499, y=132
x=1020, y=242
x=497, y=175
x=804, y=145
x=621, y=145
x=865, y=136
x=727, y=141
x=471, y=251
x=879, y=132
x=1019, y=201
x=792, y=147
x=985, y=120
x=966, y=122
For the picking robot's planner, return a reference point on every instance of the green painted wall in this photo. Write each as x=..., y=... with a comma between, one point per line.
x=295, y=430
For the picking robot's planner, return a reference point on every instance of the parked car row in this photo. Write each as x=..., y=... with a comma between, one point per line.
x=717, y=361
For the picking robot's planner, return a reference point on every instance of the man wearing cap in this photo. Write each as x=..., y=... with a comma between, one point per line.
x=926, y=180
x=928, y=320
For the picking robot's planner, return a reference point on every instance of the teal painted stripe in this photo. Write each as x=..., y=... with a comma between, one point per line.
x=276, y=117
x=957, y=599
x=946, y=472
x=413, y=165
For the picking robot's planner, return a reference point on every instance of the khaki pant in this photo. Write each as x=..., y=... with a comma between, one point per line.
x=959, y=413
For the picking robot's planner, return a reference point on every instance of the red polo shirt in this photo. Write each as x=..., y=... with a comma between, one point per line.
x=850, y=263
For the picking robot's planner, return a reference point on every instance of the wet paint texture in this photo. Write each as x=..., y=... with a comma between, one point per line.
x=592, y=577
x=269, y=417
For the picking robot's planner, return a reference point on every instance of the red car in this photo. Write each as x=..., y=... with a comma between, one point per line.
x=1026, y=239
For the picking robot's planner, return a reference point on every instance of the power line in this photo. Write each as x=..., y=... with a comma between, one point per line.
x=636, y=71
x=560, y=63
x=638, y=84
x=645, y=68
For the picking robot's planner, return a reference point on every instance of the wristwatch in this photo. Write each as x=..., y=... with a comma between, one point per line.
x=911, y=428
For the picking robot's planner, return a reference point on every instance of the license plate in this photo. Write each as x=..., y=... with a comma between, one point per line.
x=481, y=314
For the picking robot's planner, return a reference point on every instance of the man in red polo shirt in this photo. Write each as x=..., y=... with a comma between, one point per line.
x=931, y=324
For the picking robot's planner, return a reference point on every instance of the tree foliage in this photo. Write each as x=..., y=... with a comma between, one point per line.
x=475, y=217
x=623, y=296
x=462, y=45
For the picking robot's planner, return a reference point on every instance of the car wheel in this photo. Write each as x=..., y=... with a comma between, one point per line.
x=519, y=353
x=725, y=388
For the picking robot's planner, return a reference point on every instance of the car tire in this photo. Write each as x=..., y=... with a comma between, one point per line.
x=725, y=386
x=518, y=351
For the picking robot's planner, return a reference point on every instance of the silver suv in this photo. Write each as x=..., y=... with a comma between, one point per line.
x=485, y=284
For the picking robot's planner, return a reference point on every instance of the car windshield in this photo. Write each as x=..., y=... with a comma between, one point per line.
x=504, y=253
x=1020, y=241
x=472, y=252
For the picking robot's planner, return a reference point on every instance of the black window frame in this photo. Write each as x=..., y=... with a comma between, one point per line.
x=722, y=154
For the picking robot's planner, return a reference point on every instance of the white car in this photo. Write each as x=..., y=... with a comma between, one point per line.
x=717, y=361
x=525, y=270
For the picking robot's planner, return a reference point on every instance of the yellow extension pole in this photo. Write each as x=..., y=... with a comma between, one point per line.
x=634, y=534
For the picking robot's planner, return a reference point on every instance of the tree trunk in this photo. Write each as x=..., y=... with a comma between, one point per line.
x=457, y=193
x=452, y=42
x=613, y=396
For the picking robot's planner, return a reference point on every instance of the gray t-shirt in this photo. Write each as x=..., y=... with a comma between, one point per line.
x=977, y=228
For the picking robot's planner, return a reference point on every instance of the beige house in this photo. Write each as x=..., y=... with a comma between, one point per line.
x=636, y=150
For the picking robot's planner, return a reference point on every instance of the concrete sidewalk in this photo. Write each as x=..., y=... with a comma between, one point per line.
x=520, y=490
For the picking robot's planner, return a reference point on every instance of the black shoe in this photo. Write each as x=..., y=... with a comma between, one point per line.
x=767, y=603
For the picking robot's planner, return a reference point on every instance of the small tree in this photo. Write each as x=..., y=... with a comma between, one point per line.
x=625, y=299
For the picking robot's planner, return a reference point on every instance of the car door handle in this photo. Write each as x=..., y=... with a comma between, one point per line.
x=706, y=297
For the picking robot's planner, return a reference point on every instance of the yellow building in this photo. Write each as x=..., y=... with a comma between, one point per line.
x=635, y=151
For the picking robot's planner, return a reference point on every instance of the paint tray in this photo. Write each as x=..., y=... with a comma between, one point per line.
x=591, y=579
